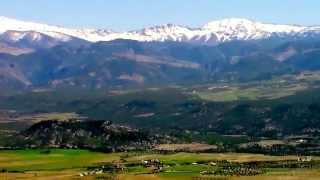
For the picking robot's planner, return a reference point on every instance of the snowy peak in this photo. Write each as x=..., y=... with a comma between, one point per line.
x=248, y=25
x=212, y=33
x=244, y=29
x=228, y=23
x=164, y=33
x=58, y=32
x=168, y=29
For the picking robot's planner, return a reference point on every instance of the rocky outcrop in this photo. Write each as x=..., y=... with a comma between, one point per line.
x=98, y=135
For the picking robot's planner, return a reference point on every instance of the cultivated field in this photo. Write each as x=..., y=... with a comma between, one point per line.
x=82, y=164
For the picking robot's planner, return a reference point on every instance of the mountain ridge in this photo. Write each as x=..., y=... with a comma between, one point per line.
x=212, y=33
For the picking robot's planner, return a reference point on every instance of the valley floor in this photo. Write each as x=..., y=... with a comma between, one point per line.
x=82, y=164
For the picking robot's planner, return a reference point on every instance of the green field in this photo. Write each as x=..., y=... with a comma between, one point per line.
x=56, y=159
x=68, y=164
x=273, y=89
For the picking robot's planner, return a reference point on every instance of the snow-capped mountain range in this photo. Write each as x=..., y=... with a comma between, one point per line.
x=211, y=33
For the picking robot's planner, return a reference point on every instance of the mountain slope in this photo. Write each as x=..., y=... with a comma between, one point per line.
x=127, y=63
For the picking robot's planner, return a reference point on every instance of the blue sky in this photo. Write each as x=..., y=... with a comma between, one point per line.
x=134, y=14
